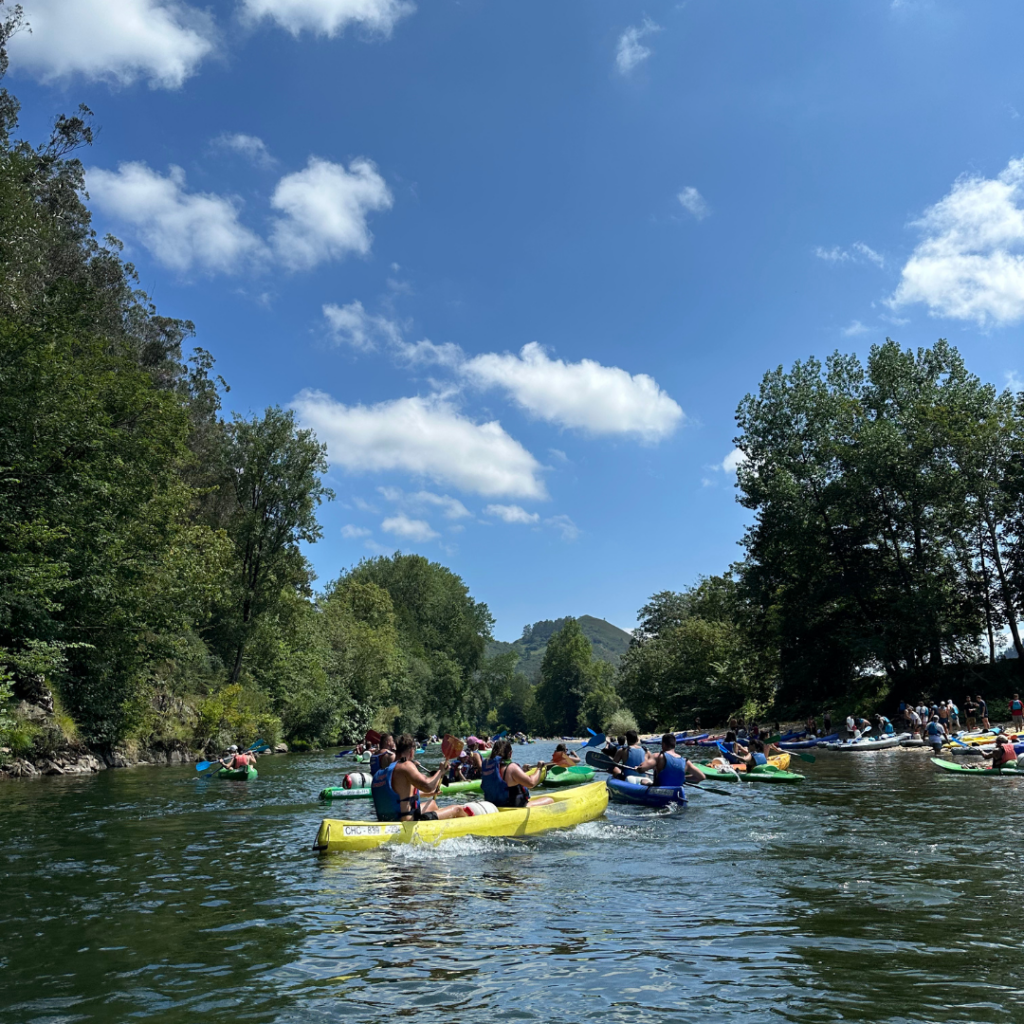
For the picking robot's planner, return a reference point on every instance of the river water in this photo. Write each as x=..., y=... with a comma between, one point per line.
x=879, y=890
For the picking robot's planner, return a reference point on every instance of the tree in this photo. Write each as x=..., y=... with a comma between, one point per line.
x=275, y=472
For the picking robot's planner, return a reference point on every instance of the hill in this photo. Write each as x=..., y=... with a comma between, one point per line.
x=608, y=641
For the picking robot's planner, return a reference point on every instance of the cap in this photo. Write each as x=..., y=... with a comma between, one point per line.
x=232, y=747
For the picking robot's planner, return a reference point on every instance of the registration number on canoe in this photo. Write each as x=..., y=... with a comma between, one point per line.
x=372, y=830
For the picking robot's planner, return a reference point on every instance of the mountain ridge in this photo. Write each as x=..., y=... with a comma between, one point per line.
x=608, y=641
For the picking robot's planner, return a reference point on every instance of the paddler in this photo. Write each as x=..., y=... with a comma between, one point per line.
x=670, y=769
x=396, y=789
x=238, y=760
x=630, y=756
x=563, y=755
x=508, y=785
x=1004, y=753
x=384, y=754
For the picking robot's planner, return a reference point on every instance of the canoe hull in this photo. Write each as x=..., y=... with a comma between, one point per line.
x=574, y=775
x=240, y=774
x=647, y=796
x=573, y=807
x=970, y=769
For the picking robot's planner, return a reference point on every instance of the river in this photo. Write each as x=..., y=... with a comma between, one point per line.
x=880, y=890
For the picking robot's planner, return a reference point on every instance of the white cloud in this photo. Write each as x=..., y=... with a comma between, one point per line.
x=425, y=352
x=352, y=325
x=512, y=513
x=253, y=148
x=631, y=51
x=424, y=436
x=690, y=199
x=868, y=253
x=118, y=41
x=330, y=17
x=409, y=529
x=364, y=506
x=569, y=530
x=182, y=230
x=325, y=208
x=1013, y=382
x=855, y=327
x=350, y=532
x=451, y=508
x=733, y=460
x=585, y=395
x=833, y=255
x=969, y=265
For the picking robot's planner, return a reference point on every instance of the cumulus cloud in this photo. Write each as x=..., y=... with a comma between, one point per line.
x=690, y=199
x=119, y=42
x=631, y=51
x=424, y=436
x=352, y=325
x=329, y=17
x=182, y=230
x=969, y=264
x=409, y=529
x=512, y=513
x=350, y=532
x=584, y=395
x=253, y=148
x=425, y=353
x=568, y=529
x=733, y=460
x=325, y=211
x=451, y=508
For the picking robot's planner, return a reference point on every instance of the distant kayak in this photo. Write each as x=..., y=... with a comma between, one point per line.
x=864, y=745
x=242, y=774
x=571, y=807
x=807, y=744
x=979, y=770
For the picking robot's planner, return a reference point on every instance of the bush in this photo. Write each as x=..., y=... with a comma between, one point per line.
x=620, y=722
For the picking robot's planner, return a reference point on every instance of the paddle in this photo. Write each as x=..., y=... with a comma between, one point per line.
x=372, y=738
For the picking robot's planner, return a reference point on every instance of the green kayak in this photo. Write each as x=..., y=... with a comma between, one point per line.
x=770, y=773
x=454, y=788
x=722, y=774
x=246, y=774
x=976, y=769
x=573, y=775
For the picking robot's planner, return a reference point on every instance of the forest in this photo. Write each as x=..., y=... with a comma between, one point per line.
x=153, y=580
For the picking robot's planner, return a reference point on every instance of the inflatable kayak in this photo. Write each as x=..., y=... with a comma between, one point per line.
x=570, y=807
x=244, y=774
x=625, y=792
x=568, y=775
x=807, y=744
x=977, y=769
x=863, y=745
x=774, y=771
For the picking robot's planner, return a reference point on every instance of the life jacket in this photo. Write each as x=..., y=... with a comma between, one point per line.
x=674, y=772
x=1016, y=707
x=935, y=729
x=635, y=757
x=386, y=802
x=497, y=790
x=1007, y=754
x=759, y=758
x=239, y=761
x=374, y=763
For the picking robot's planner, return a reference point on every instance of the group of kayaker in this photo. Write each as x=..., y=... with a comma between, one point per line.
x=669, y=768
x=398, y=782
x=918, y=718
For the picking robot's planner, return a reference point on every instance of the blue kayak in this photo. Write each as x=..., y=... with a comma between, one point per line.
x=648, y=796
x=804, y=744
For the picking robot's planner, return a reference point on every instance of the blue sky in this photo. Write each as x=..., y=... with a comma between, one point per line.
x=518, y=263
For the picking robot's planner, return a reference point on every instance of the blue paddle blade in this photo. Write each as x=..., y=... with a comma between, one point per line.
x=591, y=731
x=596, y=739
x=201, y=766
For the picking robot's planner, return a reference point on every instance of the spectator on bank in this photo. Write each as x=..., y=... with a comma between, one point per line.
x=971, y=713
x=1017, y=713
x=983, y=712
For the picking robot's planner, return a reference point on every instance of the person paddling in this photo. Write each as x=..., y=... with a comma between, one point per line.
x=238, y=761
x=384, y=754
x=630, y=756
x=1003, y=754
x=670, y=769
x=508, y=785
x=396, y=789
x=564, y=756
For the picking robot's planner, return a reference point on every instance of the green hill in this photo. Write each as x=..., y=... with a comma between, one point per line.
x=608, y=641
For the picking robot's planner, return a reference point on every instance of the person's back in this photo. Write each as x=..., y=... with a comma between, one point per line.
x=1004, y=753
x=633, y=755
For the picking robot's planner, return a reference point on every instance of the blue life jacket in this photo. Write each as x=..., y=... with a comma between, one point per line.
x=374, y=763
x=674, y=772
x=386, y=802
x=497, y=790
x=934, y=729
x=635, y=757
x=888, y=730
x=759, y=758
x=1016, y=707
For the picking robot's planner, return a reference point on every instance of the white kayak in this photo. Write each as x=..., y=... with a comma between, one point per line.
x=864, y=744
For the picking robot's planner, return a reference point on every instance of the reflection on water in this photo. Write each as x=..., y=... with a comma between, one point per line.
x=881, y=890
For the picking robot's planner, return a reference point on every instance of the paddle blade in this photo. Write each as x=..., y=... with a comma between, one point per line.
x=597, y=740
x=451, y=747
x=201, y=766
x=372, y=737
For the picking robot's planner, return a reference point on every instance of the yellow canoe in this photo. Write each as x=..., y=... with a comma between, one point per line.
x=572, y=806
